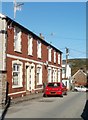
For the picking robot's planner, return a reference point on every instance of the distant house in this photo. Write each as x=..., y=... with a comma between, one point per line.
x=66, y=75
x=79, y=78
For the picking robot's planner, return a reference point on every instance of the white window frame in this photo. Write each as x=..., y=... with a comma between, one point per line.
x=49, y=54
x=58, y=58
x=54, y=56
x=49, y=74
x=39, y=71
x=17, y=39
x=30, y=45
x=54, y=75
x=20, y=72
x=39, y=49
x=59, y=75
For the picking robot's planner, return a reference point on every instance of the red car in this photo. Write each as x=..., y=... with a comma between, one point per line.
x=55, y=88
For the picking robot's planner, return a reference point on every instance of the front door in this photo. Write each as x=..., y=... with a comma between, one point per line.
x=28, y=87
x=32, y=77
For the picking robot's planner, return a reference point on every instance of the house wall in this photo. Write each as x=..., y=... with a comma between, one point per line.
x=3, y=42
x=79, y=78
x=68, y=71
x=3, y=74
x=3, y=77
x=28, y=61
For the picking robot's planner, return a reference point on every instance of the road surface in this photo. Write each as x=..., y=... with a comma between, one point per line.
x=70, y=106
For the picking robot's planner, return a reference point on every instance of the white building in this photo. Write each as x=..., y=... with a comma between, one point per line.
x=66, y=75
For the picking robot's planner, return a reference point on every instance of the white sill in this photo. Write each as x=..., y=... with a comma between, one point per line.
x=39, y=57
x=30, y=55
x=17, y=51
x=39, y=83
x=16, y=86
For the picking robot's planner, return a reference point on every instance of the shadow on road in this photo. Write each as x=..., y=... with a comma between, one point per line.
x=84, y=115
x=5, y=109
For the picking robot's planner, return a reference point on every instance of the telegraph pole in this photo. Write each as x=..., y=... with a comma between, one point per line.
x=67, y=53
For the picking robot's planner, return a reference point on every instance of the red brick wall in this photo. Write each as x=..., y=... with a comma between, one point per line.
x=9, y=76
x=24, y=54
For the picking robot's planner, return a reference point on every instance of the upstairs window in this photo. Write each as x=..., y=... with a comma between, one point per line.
x=54, y=57
x=58, y=58
x=17, y=39
x=49, y=54
x=30, y=45
x=39, y=49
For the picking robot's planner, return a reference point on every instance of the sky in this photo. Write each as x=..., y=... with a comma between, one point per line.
x=63, y=24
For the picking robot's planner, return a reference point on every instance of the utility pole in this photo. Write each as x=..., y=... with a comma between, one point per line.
x=67, y=53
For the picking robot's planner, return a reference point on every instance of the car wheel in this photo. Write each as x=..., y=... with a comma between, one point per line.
x=65, y=93
x=61, y=95
x=44, y=95
x=75, y=90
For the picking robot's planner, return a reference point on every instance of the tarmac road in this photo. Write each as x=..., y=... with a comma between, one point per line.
x=70, y=106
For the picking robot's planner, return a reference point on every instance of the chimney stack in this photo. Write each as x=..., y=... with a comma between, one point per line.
x=40, y=35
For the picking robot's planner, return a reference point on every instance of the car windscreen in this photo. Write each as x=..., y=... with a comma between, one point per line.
x=53, y=85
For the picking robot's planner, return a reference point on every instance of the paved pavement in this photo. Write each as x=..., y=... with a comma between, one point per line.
x=22, y=99
x=26, y=98
x=30, y=97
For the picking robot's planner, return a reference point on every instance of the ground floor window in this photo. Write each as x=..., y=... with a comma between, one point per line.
x=39, y=74
x=59, y=75
x=17, y=74
x=49, y=74
x=54, y=75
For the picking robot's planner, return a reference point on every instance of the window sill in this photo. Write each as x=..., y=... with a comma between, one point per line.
x=39, y=83
x=49, y=61
x=30, y=55
x=39, y=58
x=17, y=86
x=17, y=51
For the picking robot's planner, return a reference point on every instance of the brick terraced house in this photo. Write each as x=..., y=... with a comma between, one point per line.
x=79, y=78
x=28, y=60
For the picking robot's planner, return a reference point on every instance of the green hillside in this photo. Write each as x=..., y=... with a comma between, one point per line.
x=77, y=64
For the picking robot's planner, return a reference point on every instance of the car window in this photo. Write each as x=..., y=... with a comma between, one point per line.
x=53, y=85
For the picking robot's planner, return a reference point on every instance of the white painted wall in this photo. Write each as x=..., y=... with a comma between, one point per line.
x=66, y=83
x=68, y=71
x=3, y=37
